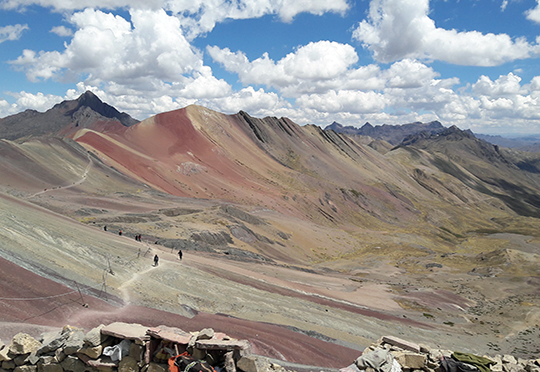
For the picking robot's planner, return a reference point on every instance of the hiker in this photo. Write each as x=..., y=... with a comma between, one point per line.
x=105, y=228
x=156, y=260
x=120, y=232
x=180, y=254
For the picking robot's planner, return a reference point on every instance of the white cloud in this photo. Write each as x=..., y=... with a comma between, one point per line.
x=409, y=74
x=256, y=102
x=205, y=86
x=105, y=47
x=397, y=29
x=198, y=16
x=354, y=102
x=504, y=5
x=11, y=32
x=24, y=101
x=62, y=31
x=309, y=67
x=505, y=85
x=534, y=13
x=61, y=5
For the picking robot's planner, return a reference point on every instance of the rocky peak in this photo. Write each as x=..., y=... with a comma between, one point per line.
x=82, y=112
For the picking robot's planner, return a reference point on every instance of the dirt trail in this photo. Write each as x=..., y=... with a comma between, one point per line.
x=76, y=183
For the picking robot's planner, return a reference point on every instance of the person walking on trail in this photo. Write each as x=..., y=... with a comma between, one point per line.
x=180, y=254
x=156, y=260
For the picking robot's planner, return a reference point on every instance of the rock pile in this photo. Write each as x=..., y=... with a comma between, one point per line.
x=411, y=357
x=126, y=347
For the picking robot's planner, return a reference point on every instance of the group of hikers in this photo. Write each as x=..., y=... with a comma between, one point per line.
x=139, y=239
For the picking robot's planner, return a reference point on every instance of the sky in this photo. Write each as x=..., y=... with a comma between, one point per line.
x=470, y=63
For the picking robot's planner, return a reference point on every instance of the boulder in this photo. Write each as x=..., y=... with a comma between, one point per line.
x=60, y=355
x=509, y=359
x=206, y=334
x=23, y=343
x=4, y=354
x=50, y=367
x=513, y=367
x=214, y=344
x=127, y=331
x=51, y=341
x=252, y=363
x=31, y=358
x=73, y=364
x=103, y=363
x=425, y=349
x=154, y=367
x=405, y=345
x=229, y=362
x=92, y=352
x=128, y=364
x=93, y=338
x=171, y=334
x=8, y=364
x=25, y=368
x=47, y=359
x=21, y=359
x=410, y=360
x=74, y=342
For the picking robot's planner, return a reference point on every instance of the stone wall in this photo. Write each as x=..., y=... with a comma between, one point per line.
x=126, y=347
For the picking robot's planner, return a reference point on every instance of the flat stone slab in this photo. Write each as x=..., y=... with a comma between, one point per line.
x=404, y=344
x=103, y=361
x=127, y=331
x=171, y=334
x=216, y=344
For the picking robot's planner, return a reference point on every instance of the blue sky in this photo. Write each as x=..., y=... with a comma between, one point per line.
x=470, y=63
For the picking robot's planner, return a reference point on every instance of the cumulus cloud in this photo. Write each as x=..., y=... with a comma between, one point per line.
x=62, y=31
x=198, y=16
x=397, y=29
x=256, y=102
x=106, y=47
x=24, y=100
x=534, y=13
x=505, y=85
x=11, y=32
x=310, y=65
x=355, y=102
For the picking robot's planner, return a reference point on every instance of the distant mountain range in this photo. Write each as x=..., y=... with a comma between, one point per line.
x=196, y=152
x=393, y=134
x=523, y=143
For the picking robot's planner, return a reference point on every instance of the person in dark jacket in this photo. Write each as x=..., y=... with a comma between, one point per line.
x=180, y=254
x=156, y=260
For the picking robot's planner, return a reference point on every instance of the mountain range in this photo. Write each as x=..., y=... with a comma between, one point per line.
x=390, y=222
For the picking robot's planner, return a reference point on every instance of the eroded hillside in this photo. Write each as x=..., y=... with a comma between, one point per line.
x=284, y=224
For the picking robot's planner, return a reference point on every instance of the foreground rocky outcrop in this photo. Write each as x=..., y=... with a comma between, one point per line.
x=124, y=347
x=394, y=354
